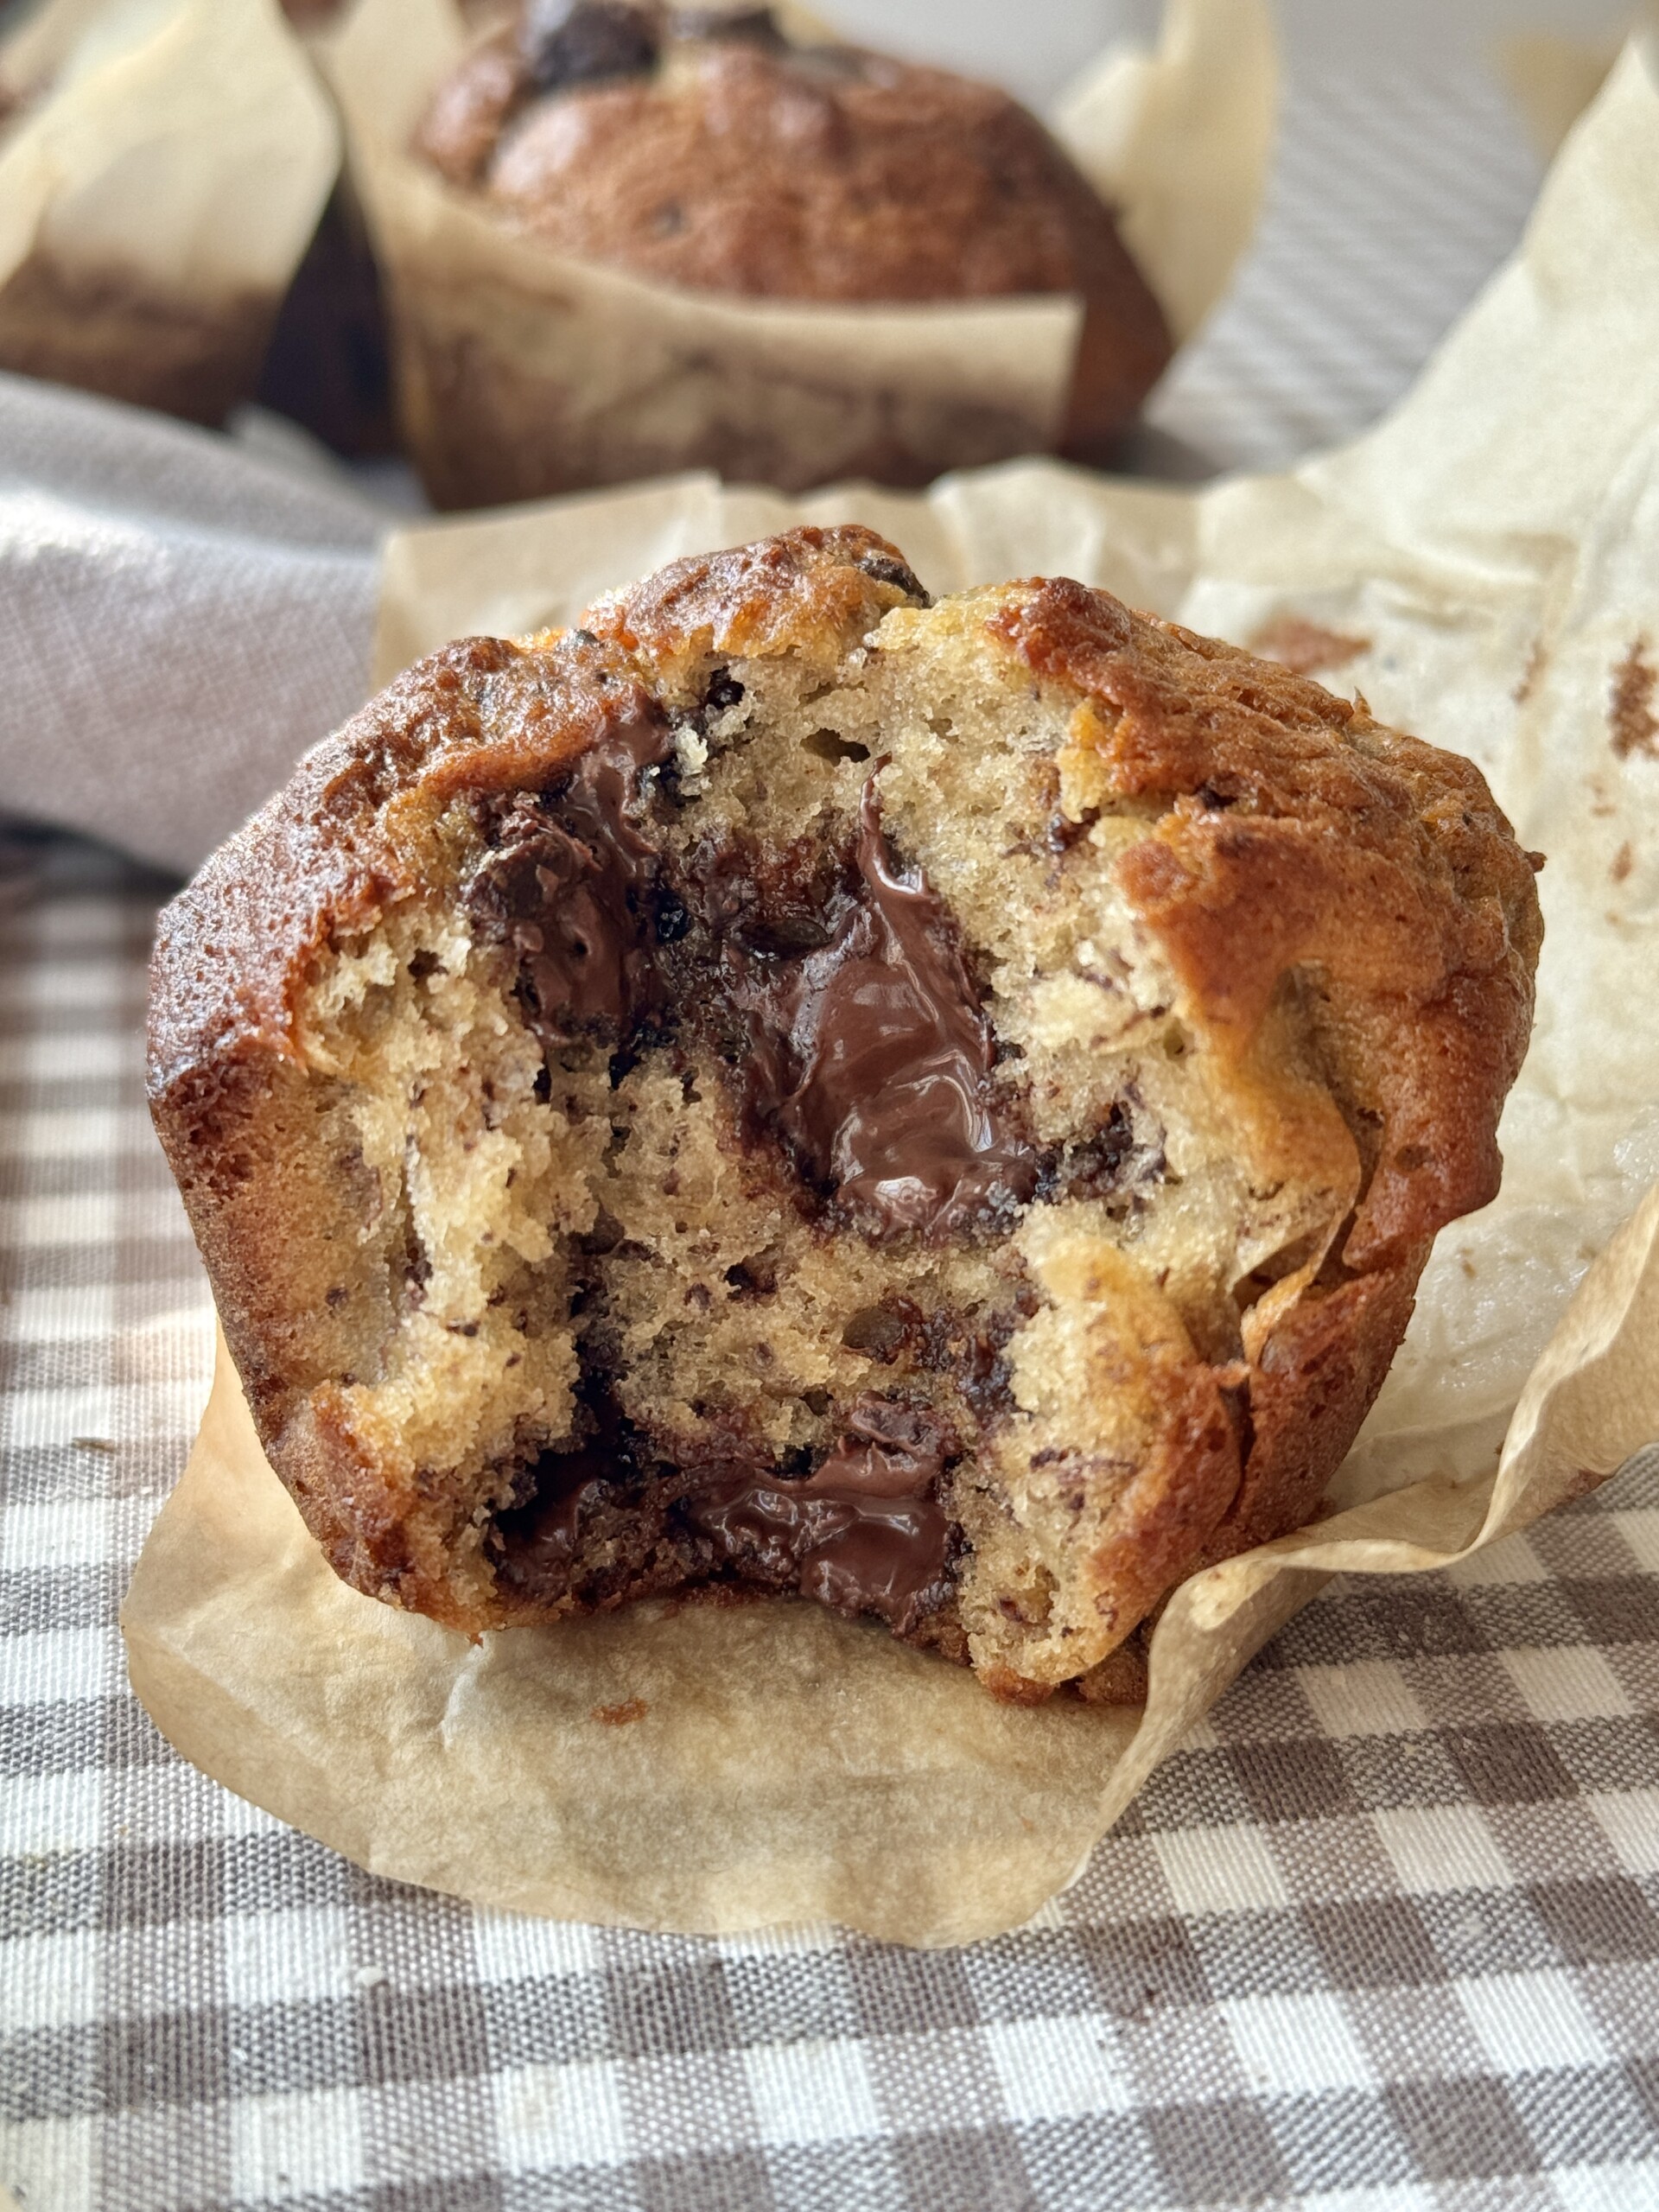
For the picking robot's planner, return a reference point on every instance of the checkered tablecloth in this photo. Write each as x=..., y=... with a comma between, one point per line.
x=1383, y=1936
x=1394, y=195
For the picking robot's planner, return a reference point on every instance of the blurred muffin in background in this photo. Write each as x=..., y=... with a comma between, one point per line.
x=707, y=150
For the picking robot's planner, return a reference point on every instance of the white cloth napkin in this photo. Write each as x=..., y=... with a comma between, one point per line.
x=178, y=621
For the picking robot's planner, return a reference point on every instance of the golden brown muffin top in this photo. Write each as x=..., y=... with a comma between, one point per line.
x=705, y=149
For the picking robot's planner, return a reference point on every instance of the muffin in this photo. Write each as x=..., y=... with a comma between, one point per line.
x=785, y=1088
x=705, y=151
x=112, y=329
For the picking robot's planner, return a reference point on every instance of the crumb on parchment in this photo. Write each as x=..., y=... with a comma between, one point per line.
x=1631, y=720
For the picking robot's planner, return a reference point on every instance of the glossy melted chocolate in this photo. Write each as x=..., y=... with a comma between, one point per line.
x=569, y=886
x=864, y=1533
x=867, y=1061
x=871, y=1059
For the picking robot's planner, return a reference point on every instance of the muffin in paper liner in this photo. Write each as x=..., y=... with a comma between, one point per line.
x=1001, y=1057
x=522, y=371
x=160, y=173
x=1481, y=567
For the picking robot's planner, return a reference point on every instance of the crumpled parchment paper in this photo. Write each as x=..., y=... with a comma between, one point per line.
x=1481, y=565
x=497, y=337
x=1551, y=81
x=158, y=185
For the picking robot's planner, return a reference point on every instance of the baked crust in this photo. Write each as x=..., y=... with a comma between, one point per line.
x=1377, y=868
x=1351, y=931
x=746, y=165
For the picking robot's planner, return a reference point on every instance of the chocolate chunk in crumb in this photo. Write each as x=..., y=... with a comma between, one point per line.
x=1116, y=1162
x=867, y=1058
x=871, y=1059
x=883, y=1332
x=883, y=569
x=568, y=885
x=597, y=40
x=865, y=1533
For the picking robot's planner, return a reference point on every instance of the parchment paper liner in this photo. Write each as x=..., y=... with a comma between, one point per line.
x=712, y=1769
x=523, y=371
x=156, y=196
x=1483, y=565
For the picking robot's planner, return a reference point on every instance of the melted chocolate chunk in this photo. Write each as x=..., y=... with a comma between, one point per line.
x=833, y=984
x=540, y=1544
x=871, y=1058
x=594, y=1524
x=569, y=886
x=865, y=1533
x=565, y=46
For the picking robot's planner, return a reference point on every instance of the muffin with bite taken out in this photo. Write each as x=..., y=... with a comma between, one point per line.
x=788, y=1089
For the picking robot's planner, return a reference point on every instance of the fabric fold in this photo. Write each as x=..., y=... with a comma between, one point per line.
x=178, y=621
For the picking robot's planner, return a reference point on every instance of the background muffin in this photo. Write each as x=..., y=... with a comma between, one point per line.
x=705, y=149
x=161, y=171
x=646, y=322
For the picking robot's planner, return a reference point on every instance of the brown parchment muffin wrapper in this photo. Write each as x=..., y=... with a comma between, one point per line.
x=712, y=1769
x=1482, y=566
x=521, y=370
x=159, y=180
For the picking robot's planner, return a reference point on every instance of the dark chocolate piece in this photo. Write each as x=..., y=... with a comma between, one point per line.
x=1118, y=1163
x=540, y=1544
x=865, y=1533
x=863, y=1050
x=872, y=1059
x=883, y=566
x=969, y=1348
x=569, y=886
x=597, y=40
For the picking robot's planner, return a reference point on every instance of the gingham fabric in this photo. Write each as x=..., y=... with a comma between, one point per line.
x=1383, y=1936
x=1394, y=195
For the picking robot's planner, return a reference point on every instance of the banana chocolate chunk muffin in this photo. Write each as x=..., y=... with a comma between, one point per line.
x=703, y=147
x=938, y=1109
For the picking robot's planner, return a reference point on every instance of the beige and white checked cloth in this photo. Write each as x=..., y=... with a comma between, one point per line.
x=1383, y=1936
